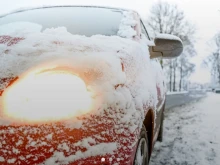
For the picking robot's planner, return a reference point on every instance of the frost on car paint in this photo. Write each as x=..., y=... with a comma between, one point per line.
x=108, y=65
x=10, y=40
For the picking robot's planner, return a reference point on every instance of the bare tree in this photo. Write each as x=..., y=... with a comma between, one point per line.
x=169, y=65
x=174, y=74
x=168, y=18
x=213, y=61
x=184, y=66
x=185, y=71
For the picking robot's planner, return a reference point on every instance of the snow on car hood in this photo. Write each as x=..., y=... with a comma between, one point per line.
x=109, y=60
x=118, y=70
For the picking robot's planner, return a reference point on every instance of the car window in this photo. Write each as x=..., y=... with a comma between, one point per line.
x=86, y=21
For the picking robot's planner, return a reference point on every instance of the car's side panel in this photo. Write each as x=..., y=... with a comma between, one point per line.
x=160, y=92
x=160, y=97
x=158, y=121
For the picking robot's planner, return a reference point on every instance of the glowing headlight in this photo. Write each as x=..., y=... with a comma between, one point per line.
x=52, y=95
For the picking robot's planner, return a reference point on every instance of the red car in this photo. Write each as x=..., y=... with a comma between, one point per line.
x=80, y=85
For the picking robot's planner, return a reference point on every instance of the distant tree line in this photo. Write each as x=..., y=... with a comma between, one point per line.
x=213, y=60
x=168, y=18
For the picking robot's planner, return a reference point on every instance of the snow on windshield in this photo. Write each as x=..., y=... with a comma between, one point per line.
x=126, y=28
x=86, y=21
x=19, y=28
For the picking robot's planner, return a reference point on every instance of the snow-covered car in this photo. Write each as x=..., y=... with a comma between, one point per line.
x=80, y=85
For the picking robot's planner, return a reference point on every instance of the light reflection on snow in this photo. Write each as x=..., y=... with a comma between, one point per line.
x=47, y=96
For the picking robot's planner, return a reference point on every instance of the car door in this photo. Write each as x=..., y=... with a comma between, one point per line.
x=160, y=86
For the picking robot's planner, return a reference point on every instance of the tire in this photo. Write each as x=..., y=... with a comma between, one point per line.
x=142, y=152
x=160, y=135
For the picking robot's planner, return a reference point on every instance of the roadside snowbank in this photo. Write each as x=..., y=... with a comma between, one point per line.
x=191, y=134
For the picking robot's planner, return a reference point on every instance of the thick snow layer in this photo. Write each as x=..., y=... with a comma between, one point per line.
x=18, y=28
x=167, y=36
x=118, y=71
x=191, y=134
x=97, y=60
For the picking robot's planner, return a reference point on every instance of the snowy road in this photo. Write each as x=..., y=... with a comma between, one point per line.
x=191, y=134
x=184, y=98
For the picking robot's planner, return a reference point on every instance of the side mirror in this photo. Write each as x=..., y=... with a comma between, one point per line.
x=166, y=46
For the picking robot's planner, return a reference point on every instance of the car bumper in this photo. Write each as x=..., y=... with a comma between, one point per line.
x=99, y=140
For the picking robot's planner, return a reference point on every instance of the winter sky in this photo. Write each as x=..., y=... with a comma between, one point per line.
x=205, y=14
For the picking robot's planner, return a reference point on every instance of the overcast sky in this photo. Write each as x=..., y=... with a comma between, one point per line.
x=205, y=14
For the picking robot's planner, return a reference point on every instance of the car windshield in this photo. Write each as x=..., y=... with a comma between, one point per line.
x=86, y=21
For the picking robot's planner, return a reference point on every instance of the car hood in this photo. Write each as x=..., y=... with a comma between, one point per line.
x=119, y=72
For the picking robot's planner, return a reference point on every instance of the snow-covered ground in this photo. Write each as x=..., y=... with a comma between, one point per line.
x=191, y=134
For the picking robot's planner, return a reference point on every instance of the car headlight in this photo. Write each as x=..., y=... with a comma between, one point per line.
x=47, y=96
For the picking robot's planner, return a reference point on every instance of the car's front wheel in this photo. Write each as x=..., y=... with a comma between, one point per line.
x=160, y=135
x=142, y=152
